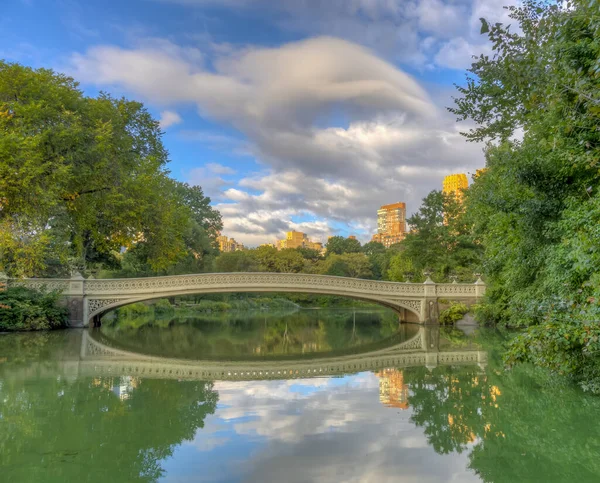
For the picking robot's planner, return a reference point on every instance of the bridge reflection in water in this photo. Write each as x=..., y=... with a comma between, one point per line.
x=98, y=358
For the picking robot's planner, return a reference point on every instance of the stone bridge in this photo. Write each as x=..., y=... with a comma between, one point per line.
x=100, y=358
x=88, y=299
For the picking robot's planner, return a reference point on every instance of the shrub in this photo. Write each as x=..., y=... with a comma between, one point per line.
x=134, y=310
x=455, y=312
x=566, y=347
x=163, y=306
x=27, y=309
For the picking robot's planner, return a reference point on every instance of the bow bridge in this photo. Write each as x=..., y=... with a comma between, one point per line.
x=88, y=299
x=92, y=356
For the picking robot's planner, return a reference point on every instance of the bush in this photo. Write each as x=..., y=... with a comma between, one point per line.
x=455, y=312
x=134, y=310
x=27, y=309
x=163, y=306
x=566, y=347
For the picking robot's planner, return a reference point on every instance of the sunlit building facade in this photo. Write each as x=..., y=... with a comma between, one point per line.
x=455, y=184
x=227, y=245
x=297, y=239
x=392, y=390
x=391, y=224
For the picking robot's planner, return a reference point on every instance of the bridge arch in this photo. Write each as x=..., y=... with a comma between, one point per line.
x=99, y=307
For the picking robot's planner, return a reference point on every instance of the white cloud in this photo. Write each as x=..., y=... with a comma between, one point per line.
x=169, y=118
x=209, y=177
x=338, y=130
x=327, y=430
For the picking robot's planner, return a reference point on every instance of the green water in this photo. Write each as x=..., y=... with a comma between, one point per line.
x=71, y=413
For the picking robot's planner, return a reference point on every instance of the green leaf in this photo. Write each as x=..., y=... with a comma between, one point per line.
x=485, y=27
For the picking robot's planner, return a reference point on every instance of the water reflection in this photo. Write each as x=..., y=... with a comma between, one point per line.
x=68, y=413
x=255, y=335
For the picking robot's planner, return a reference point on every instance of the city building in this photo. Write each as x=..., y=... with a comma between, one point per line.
x=392, y=390
x=297, y=239
x=125, y=386
x=455, y=184
x=391, y=224
x=227, y=245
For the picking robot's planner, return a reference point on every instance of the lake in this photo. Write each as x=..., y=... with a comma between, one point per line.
x=308, y=396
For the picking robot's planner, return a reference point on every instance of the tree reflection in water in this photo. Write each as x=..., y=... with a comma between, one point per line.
x=518, y=426
x=102, y=429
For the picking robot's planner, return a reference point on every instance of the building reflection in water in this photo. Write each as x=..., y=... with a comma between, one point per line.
x=122, y=386
x=393, y=392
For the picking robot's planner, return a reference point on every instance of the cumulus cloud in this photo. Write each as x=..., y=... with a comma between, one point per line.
x=210, y=178
x=169, y=118
x=338, y=130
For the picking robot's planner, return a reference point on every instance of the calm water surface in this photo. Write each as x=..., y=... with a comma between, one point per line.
x=275, y=398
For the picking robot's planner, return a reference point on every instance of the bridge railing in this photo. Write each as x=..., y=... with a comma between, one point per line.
x=77, y=285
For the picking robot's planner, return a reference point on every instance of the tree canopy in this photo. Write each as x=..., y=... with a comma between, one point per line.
x=82, y=177
x=536, y=208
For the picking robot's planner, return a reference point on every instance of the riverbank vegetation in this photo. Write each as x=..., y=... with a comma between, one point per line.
x=536, y=208
x=23, y=309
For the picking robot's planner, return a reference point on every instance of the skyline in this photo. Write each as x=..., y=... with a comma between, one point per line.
x=306, y=116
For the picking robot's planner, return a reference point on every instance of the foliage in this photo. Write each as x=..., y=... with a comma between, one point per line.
x=241, y=261
x=454, y=313
x=536, y=208
x=27, y=309
x=442, y=239
x=401, y=268
x=567, y=348
x=372, y=248
x=82, y=177
x=338, y=245
x=355, y=265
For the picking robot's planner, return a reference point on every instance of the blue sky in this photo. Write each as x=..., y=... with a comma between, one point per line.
x=295, y=114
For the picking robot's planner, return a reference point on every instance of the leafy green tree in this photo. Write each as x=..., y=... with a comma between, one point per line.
x=372, y=247
x=536, y=206
x=354, y=265
x=401, y=268
x=289, y=260
x=27, y=309
x=241, y=261
x=267, y=258
x=338, y=245
x=81, y=177
x=441, y=239
x=309, y=254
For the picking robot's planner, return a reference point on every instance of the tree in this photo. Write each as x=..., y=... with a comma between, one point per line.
x=354, y=265
x=441, y=239
x=289, y=260
x=82, y=177
x=309, y=254
x=338, y=245
x=241, y=261
x=373, y=247
x=401, y=268
x=536, y=206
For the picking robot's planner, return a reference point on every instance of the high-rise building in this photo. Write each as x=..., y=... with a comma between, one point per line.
x=455, y=184
x=391, y=224
x=297, y=239
x=227, y=245
x=392, y=390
